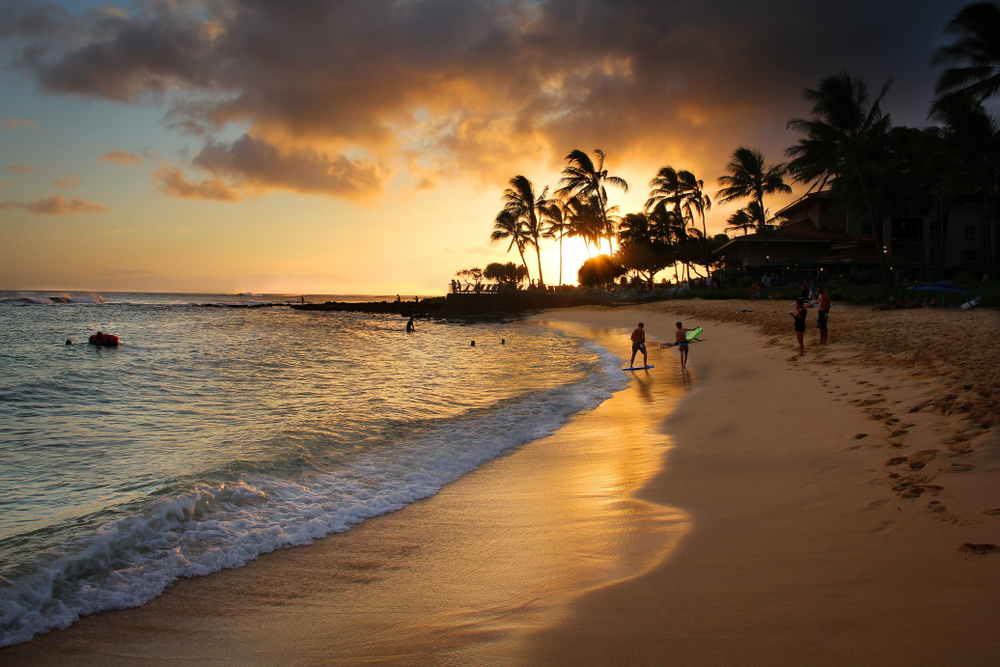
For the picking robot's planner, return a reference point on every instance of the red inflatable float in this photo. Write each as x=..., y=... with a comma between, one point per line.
x=107, y=340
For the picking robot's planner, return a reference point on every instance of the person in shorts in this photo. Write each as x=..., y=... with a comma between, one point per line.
x=638, y=343
x=823, y=313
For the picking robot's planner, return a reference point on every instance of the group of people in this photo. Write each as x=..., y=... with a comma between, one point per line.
x=639, y=344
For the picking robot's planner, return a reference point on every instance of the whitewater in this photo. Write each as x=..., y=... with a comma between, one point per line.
x=212, y=435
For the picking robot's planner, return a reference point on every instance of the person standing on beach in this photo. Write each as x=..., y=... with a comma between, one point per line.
x=799, y=315
x=824, y=313
x=638, y=343
x=682, y=344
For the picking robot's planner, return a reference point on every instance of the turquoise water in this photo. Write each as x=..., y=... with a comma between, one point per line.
x=212, y=435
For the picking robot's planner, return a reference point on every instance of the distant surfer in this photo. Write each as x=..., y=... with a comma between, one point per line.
x=410, y=326
x=638, y=343
x=824, y=313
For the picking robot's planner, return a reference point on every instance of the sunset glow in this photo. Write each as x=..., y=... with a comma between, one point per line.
x=363, y=148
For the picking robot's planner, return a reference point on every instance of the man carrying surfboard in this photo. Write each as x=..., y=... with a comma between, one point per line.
x=682, y=343
x=638, y=343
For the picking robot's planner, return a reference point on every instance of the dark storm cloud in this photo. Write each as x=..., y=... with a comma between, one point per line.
x=472, y=86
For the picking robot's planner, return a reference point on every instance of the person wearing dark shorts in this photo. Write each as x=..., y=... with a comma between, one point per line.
x=824, y=313
x=638, y=343
x=799, y=315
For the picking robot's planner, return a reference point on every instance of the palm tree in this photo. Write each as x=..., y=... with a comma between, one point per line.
x=975, y=55
x=970, y=154
x=583, y=177
x=844, y=139
x=559, y=226
x=750, y=178
x=509, y=226
x=742, y=220
x=584, y=220
x=520, y=200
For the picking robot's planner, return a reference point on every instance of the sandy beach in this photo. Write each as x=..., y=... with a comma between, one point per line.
x=842, y=508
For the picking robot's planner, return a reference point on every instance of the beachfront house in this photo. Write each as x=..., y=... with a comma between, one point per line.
x=952, y=238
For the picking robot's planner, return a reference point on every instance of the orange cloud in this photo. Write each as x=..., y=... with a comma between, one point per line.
x=15, y=124
x=172, y=183
x=121, y=157
x=262, y=165
x=69, y=182
x=55, y=205
x=20, y=168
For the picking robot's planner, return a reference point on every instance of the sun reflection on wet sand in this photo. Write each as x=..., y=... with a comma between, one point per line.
x=461, y=578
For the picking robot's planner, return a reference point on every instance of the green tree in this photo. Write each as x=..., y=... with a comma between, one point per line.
x=520, y=201
x=584, y=177
x=845, y=140
x=975, y=54
x=750, y=178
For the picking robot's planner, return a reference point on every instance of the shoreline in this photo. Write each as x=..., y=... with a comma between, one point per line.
x=754, y=524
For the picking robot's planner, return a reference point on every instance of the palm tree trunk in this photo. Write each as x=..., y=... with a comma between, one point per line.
x=538, y=253
x=560, y=259
x=878, y=239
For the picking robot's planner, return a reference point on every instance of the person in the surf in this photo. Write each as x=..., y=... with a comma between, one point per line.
x=410, y=326
x=638, y=343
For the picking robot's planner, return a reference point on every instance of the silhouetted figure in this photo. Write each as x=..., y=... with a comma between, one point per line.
x=410, y=327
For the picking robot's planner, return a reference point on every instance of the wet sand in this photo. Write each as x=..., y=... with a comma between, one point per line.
x=842, y=508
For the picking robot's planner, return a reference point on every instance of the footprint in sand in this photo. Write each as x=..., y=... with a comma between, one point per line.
x=978, y=549
x=993, y=512
x=876, y=504
x=886, y=525
x=958, y=467
x=936, y=506
x=860, y=436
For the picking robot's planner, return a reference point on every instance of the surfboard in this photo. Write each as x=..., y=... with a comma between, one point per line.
x=694, y=333
x=636, y=368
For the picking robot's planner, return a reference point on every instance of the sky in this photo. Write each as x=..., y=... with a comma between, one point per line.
x=330, y=147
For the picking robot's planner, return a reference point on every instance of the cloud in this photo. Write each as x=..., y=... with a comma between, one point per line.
x=20, y=169
x=171, y=182
x=261, y=165
x=70, y=181
x=121, y=157
x=15, y=124
x=331, y=89
x=55, y=205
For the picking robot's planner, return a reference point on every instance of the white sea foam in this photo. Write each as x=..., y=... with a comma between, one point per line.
x=132, y=560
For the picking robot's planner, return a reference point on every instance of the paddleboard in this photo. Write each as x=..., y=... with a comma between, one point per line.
x=694, y=333
x=636, y=368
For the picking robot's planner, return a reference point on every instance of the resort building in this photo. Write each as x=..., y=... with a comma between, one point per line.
x=950, y=239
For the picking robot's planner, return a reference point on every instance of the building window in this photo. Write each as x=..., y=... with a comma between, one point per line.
x=935, y=230
x=933, y=257
x=970, y=233
x=866, y=229
x=968, y=255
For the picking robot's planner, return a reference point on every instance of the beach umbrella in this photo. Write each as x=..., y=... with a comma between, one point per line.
x=920, y=287
x=945, y=287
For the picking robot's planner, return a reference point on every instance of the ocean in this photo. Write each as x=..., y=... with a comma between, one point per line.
x=212, y=435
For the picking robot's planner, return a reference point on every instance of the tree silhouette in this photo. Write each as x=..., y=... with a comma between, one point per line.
x=845, y=139
x=975, y=54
